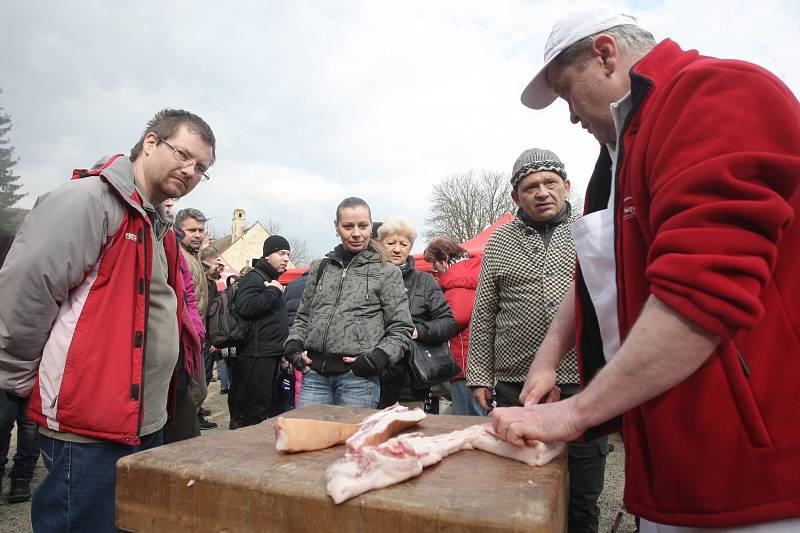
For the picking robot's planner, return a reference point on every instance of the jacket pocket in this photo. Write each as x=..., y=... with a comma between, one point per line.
x=354, y=335
x=736, y=371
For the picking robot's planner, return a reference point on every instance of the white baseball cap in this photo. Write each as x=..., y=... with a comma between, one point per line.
x=566, y=32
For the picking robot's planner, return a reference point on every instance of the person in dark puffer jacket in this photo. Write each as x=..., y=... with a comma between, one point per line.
x=354, y=321
x=259, y=299
x=293, y=295
x=433, y=319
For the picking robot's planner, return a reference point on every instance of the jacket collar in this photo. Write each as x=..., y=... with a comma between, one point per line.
x=650, y=73
x=409, y=267
x=562, y=216
x=368, y=255
x=264, y=266
x=653, y=72
x=661, y=64
x=118, y=174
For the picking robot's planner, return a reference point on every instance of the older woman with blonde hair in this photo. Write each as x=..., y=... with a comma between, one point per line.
x=433, y=320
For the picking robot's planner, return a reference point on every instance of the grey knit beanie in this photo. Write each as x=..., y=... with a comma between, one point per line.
x=534, y=160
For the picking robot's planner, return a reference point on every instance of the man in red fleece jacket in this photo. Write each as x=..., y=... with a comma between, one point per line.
x=685, y=309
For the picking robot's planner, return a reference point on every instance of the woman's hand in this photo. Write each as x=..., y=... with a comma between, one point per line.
x=300, y=361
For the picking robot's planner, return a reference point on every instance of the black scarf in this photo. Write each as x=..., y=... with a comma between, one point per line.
x=545, y=227
x=345, y=255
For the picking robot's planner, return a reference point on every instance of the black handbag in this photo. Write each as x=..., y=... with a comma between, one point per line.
x=430, y=365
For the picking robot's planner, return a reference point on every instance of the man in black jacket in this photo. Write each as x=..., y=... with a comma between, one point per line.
x=259, y=300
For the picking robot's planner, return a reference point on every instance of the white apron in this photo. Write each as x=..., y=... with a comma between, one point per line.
x=594, y=245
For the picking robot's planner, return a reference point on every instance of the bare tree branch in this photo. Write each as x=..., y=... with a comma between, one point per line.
x=273, y=227
x=300, y=252
x=463, y=205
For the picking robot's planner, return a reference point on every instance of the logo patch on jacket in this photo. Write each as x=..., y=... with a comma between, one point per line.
x=628, y=208
x=130, y=236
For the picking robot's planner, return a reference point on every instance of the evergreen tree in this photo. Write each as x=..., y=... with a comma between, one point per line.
x=8, y=180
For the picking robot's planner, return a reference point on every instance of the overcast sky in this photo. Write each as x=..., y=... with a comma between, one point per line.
x=312, y=102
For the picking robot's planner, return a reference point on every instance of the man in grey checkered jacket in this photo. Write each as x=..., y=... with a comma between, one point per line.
x=527, y=267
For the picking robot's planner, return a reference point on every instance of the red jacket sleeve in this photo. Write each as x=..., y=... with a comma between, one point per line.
x=722, y=160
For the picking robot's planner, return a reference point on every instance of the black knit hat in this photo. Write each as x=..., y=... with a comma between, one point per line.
x=275, y=243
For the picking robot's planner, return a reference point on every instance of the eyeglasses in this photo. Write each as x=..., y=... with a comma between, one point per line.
x=182, y=157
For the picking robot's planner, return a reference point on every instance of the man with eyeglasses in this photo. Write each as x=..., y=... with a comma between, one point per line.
x=94, y=333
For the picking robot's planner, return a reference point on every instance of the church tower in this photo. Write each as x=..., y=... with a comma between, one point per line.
x=237, y=226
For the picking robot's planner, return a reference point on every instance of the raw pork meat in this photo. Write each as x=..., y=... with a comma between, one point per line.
x=433, y=449
x=372, y=467
x=538, y=455
x=378, y=427
x=403, y=457
x=398, y=459
x=301, y=435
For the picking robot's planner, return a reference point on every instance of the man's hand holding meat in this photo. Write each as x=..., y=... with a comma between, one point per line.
x=549, y=422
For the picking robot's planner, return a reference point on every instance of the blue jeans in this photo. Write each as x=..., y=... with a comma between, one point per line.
x=13, y=409
x=464, y=403
x=222, y=370
x=340, y=389
x=78, y=492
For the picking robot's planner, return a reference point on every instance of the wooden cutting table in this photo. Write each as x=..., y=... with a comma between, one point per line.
x=236, y=481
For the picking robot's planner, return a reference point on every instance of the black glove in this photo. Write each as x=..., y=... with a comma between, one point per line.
x=293, y=352
x=296, y=360
x=370, y=364
x=422, y=331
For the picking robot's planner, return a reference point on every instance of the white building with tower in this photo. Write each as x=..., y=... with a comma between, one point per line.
x=244, y=244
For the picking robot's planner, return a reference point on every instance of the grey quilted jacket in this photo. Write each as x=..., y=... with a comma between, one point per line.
x=352, y=311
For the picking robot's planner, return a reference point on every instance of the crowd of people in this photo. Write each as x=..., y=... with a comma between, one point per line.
x=666, y=308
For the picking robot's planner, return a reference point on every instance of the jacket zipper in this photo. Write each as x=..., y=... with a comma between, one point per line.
x=147, y=254
x=745, y=368
x=635, y=109
x=333, y=312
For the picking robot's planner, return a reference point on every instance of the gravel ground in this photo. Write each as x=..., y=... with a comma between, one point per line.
x=16, y=518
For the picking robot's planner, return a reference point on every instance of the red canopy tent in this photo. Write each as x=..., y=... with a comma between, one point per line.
x=474, y=246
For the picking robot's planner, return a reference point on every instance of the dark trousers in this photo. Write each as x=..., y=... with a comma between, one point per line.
x=396, y=386
x=587, y=466
x=252, y=389
x=183, y=423
x=208, y=360
x=283, y=397
x=13, y=409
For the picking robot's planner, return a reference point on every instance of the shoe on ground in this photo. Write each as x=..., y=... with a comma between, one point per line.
x=205, y=424
x=223, y=391
x=20, y=491
x=203, y=412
